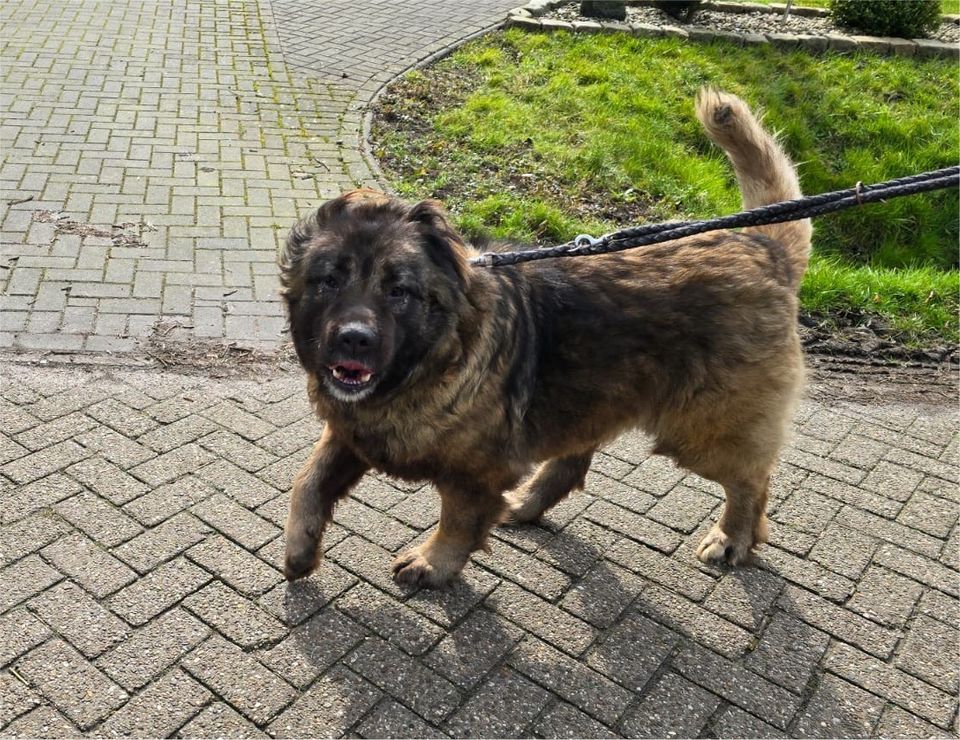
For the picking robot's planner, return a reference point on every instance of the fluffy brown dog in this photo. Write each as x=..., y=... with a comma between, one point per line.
x=428, y=368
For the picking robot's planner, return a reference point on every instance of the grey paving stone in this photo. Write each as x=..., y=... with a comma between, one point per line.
x=168, y=539
x=570, y=679
x=885, y=597
x=178, y=433
x=891, y=683
x=368, y=561
x=477, y=644
x=632, y=651
x=448, y=606
x=49, y=433
x=115, y=447
x=930, y=514
x=23, y=579
x=235, y=521
x=691, y=619
x=68, y=679
x=230, y=416
x=579, y=545
x=929, y=652
x=884, y=529
x=330, y=706
x=391, y=719
x=229, y=672
x=671, y=572
x=19, y=632
x=938, y=605
x=404, y=678
x=541, y=618
x=244, y=488
x=22, y=501
x=237, y=567
x=893, y=481
x=292, y=603
x=788, y=653
x=838, y=622
x=564, y=721
x=683, y=508
x=613, y=490
x=674, y=707
x=530, y=573
x=16, y=698
x=98, y=519
x=78, y=618
x=171, y=465
x=237, y=450
x=160, y=589
x=744, y=596
x=895, y=722
x=158, y=710
x=918, y=568
x=165, y=501
x=806, y=511
x=373, y=525
x=29, y=535
x=88, y=564
x=106, y=479
x=806, y=573
x=731, y=681
x=121, y=417
x=503, y=706
x=220, y=720
x=839, y=709
x=43, y=721
x=312, y=647
x=150, y=650
x=388, y=618
x=601, y=596
x=843, y=550
x=634, y=526
x=236, y=617
x=654, y=474
x=733, y=722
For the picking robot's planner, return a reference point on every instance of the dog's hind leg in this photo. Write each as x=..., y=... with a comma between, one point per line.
x=326, y=477
x=552, y=482
x=742, y=526
x=466, y=515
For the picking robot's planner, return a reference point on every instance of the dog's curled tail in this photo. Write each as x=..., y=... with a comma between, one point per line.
x=764, y=171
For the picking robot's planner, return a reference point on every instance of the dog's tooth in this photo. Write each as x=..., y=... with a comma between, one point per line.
x=365, y=377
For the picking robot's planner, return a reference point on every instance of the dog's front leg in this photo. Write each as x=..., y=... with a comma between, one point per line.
x=466, y=515
x=326, y=477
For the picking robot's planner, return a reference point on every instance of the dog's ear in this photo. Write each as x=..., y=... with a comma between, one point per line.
x=444, y=244
x=304, y=231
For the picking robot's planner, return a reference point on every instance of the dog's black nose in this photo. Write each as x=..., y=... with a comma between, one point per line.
x=356, y=338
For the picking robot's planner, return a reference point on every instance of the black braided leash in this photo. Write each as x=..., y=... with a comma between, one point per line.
x=789, y=210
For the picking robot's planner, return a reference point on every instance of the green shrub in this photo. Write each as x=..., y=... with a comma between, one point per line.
x=904, y=18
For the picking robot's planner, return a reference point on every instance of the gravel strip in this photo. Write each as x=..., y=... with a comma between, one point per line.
x=747, y=22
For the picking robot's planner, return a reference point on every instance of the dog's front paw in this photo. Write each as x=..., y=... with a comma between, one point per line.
x=302, y=555
x=426, y=565
x=719, y=547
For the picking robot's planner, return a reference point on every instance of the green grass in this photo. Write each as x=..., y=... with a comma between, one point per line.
x=540, y=136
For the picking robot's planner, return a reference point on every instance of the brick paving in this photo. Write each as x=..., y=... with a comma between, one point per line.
x=159, y=151
x=141, y=590
x=155, y=154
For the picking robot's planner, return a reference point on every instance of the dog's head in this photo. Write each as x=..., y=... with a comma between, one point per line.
x=373, y=286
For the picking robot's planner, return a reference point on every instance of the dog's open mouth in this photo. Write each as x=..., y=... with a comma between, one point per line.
x=351, y=375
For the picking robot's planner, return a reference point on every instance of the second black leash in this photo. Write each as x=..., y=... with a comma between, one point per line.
x=790, y=210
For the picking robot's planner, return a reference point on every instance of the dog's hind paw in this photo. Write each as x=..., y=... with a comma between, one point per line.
x=424, y=566
x=519, y=509
x=719, y=547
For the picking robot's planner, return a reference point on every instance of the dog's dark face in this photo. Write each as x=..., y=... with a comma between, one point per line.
x=372, y=288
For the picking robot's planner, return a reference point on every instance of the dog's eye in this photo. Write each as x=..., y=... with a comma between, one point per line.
x=330, y=282
x=398, y=292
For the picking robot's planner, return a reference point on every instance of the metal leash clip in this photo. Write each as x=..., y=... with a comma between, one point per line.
x=585, y=240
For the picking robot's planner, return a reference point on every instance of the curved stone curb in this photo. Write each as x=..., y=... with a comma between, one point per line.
x=362, y=131
x=530, y=16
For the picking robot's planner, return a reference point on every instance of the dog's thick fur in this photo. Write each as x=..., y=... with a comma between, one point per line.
x=466, y=376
